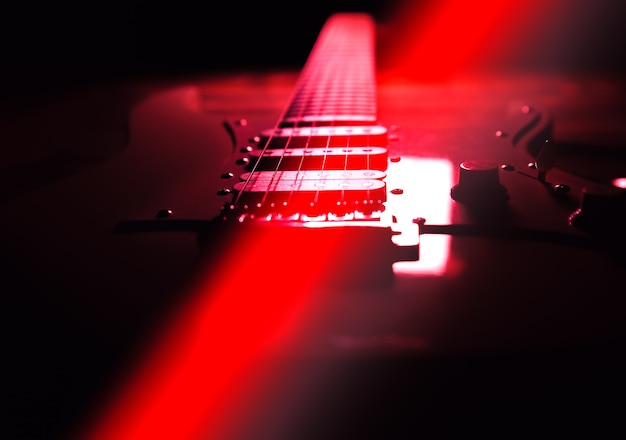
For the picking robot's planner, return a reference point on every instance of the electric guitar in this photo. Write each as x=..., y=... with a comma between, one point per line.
x=329, y=255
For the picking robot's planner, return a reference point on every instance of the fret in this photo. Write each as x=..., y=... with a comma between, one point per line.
x=326, y=155
x=337, y=83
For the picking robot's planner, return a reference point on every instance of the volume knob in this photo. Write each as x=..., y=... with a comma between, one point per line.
x=479, y=184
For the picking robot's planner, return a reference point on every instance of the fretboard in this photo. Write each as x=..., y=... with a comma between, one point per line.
x=326, y=156
x=337, y=85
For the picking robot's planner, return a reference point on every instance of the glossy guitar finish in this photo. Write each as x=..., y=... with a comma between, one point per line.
x=508, y=317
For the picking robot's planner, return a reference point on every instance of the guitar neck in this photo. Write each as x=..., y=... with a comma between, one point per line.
x=326, y=154
x=337, y=85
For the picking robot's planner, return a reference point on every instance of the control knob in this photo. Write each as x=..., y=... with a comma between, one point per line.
x=479, y=184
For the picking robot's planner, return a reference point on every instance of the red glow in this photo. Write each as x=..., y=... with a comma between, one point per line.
x=245, y=309
x=426, y=184
x=439, y=39
x=620, y=182
x=198, y=374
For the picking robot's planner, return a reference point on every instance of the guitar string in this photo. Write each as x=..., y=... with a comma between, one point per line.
x=343, y=85
x=313, y=77
x=306, y=80
x=296, y=91
x=336, y=88
x=368, y=44
x=301, y=88
x=269, y=140
x=328, y=89
x=315, y=125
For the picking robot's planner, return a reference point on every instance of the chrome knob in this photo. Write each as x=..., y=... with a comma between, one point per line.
x=479, y=184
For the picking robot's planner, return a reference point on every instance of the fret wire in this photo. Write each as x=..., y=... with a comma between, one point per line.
x=330, y=87
x=319, y=85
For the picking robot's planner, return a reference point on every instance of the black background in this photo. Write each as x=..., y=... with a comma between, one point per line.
x=52, y=45
x=68, y=43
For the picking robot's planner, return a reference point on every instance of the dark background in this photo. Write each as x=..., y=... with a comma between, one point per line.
x=53, y=45
x=68, y=43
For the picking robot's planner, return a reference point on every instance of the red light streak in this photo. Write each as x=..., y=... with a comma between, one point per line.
x=436, y=40
x=213, y=352
x=198, y=374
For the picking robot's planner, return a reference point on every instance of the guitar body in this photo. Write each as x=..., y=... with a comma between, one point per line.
x=495, y=314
